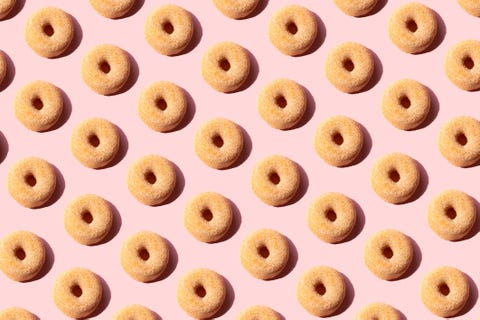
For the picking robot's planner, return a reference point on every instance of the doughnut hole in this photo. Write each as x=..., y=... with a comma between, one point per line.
x=48, y=30
x=348, y=65
x=412, y=25
x=468, y=63
x=331, y=215
x=218, y=141
x=393, y=175
x=337, y=138
x=161, y=104
x=20, y=253
x=207, y=214
x=144, y=254
x=76, y=290
x=281, y=102
x=292, y=28
x=461, y=138
x=104, y=66
x=387, y=252
x=274, y=178
x=93, y=140
x=450, y=212
x=168, y=27
x=37, y=103
x=150, y=177
x=224, y=64
x=200, y=291
x=263, y=252
x=444, y=289
x=320, y=289
x=30, y=180
x=87, y=217
x=405, y=102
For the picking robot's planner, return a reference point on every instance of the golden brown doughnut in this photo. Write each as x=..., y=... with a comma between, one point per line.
x=236, y=9
x=112, y=8
x=135, y=312
x=16, y=313
x=258, y=313
x=6, y=7
x=356, y=8
x=462, y=65
x=3, y=66
x=470, y=6
x=378, y=311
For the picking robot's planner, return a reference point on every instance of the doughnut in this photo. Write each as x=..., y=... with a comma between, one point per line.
x=22, y=255
x=332, y=217
x=105, y=69
x=321, y=290
x=3, y=66
x=282, y=103
x=451, y=214
x=412, y=27
x=356, y=8
x=258, y=313
x=6, y=7
x=445, y=291
x=388, y=254
x=338, y=140
x=16, y=313
x=31, y=182
x=406, y=104
x=218, y=143
x=275, y=180
x=112, y=8
x=151, y=179
x=49, y=32
x=264, y=253
x=169, y=29
x=201, y=293
x=225, y=66
x=236, y=9
x=208, y=216
x=395, y=177
x=38, y=105
x=95, y=142
x=459, y=141
x=88, y=219
x=378, y=311
x=162, y=106
x=292, y=30
x=144, y=256
x=471, y=6
x=77, y=292
x=133, y=312
x=349, y=67
x=462, y=65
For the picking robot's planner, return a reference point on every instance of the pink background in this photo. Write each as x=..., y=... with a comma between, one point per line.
x=308, y=251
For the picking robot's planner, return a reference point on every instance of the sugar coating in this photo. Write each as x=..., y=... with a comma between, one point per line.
x=406, y=104
x=445, y=291
x=412, y=27
x=169, y=29
x=282, y=103
x=338, y=140
x=395, y=177
x=292, y=29
x=236, y=9
x=201, y=293
x=16, y=313
x=462, y=65
x=225, y=66
x=388, y=254
x=95, y=142
x=208, y=216
x=258, y=312
x=88, y=219
x=134, y=312
x=264, y=253
x=349, y=67
x=218, y=143
x=471, y=6
x=3, y=66
x=332, y=217
x=151, y=179
x=379, y=311
x=451, y=214
x=144, y=256
x=112, y=8
x=38, y=105
x=356, y=8
x=105, y=69
x=162, y=106
x=77, y=292
x=459, y=141
x=22, y=255
x=49, y=32
x=275, y=180
x=321, y=290
x=31, y=182
x=6, y=7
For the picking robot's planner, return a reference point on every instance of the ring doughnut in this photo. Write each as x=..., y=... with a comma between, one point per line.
x=459, y=141
x=339, y=140
x=451, y=214
x=135, y=311
x=388, y=254
x=6, y=7
x=22, y=255
x=378, y=310
x=105, y=69
x=349, y=67
x=49, y=32
x=38, y=105
x=264, y=253
x=77, y=292
x=282, y=103
x=445, y=291
x=471, y=6
x=88, y=219
x=162, y=106
x=462, y=65
x=31, y=182
x=395, y=177
x=95, y=142
x=16, y=313
x=356, y=8
x=169, y=29
x=406, y=104
x=332, y=217
x=201, y=293
x=275, y=180
x=292, y=30
x=225, y=66
x=412, y=27
x=236, y=9
x=258, y=313
x=321, y=290
x=3, y=66
x=218, y=143
x=208, y=216
x=144, y=256
x=112, y=8
x=151, y=179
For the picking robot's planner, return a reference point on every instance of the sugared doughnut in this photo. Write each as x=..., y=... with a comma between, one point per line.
x=356, y=8
x=471, y=6
x=236, y=9
x=6, y=7
x=16, y=313
x=462, y=65
x=112, y=8
x=258, y=313
x=378, y=311
x=3, y=66
x=135, y=312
